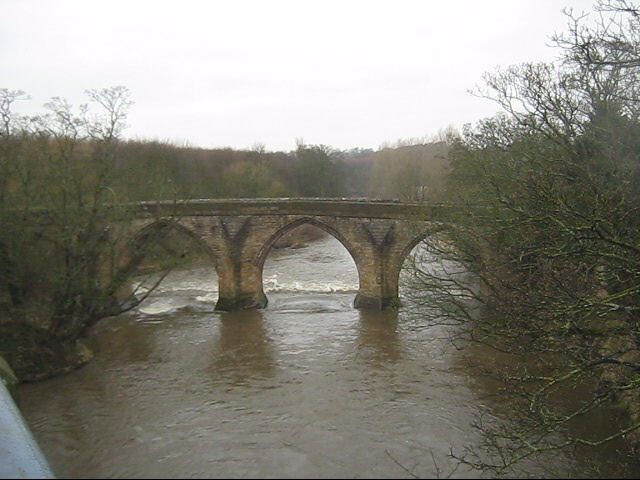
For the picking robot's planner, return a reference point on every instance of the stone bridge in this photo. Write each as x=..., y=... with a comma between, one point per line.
x=240, y=233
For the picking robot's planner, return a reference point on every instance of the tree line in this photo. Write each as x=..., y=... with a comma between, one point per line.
x=153, y=170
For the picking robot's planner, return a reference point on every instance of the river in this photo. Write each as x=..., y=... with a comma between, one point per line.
x=308, y=387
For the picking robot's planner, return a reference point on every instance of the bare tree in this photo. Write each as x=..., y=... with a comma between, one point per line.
x=68, y=250
x=550, y=242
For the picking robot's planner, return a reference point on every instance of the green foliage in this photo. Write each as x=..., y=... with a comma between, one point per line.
x=318, y=172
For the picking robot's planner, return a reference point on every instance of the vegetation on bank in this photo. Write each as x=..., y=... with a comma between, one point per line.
x=550, y=241
x=63, y=265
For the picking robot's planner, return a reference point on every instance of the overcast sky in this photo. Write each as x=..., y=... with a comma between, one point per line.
x=235, y=73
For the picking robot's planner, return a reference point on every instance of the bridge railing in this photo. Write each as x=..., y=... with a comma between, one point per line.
x=20, y=455
x=341, y=207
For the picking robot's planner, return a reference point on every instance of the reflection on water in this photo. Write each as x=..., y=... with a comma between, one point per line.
x=308, y=387
x=378, y=339
x=243, y=349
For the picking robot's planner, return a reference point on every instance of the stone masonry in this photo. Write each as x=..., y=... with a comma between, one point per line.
x=240, y=233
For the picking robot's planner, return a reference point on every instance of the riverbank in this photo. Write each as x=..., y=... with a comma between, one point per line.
x=34, y=355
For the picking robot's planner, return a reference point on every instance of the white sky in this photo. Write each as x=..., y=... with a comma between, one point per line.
x=234, y=73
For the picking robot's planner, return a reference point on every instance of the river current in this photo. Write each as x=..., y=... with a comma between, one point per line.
x=308, y=387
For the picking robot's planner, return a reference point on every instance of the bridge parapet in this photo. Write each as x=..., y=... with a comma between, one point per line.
x=338, y=207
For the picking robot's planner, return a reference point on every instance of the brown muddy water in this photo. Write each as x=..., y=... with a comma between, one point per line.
x=308, y=387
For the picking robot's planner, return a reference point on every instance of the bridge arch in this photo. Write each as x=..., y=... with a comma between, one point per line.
x=413, y=243
x=268, y=245
x=413, y=238
x=324, y=226
x=399, y=260
x=159, y=229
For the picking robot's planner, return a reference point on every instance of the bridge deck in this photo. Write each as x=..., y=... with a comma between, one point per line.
x=342, y=207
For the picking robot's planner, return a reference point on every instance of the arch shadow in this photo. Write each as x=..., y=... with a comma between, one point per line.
x=154, y=233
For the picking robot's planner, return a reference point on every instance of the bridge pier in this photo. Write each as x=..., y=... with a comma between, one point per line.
x=368, y=302
x=246, y=301
x=239, y=286
x=378, y=281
